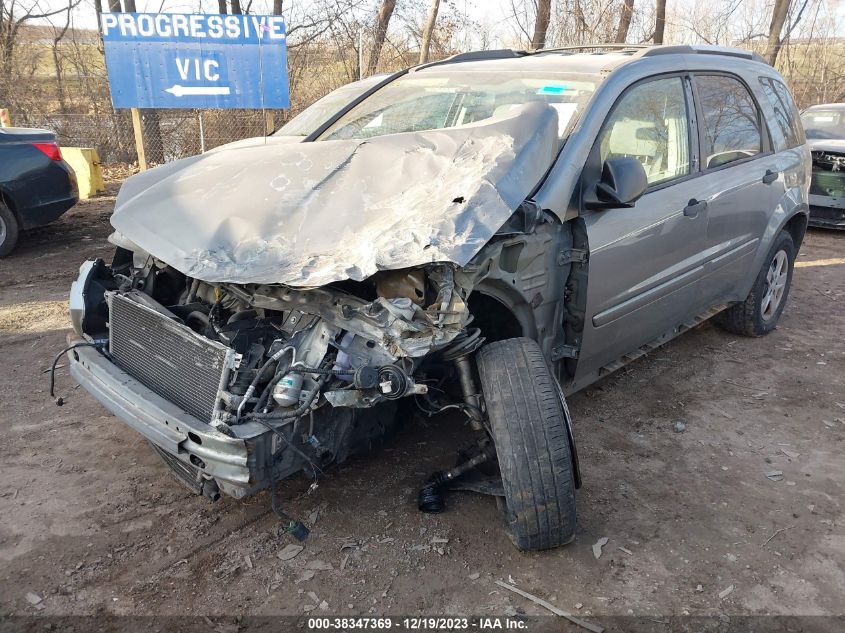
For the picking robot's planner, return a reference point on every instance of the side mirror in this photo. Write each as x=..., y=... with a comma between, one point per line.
x=623, y=181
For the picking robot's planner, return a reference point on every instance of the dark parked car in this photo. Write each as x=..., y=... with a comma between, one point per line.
x=36, y=185
x=484, y=234
x=825, y=129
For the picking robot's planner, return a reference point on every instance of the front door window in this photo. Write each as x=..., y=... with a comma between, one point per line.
x=650, y=124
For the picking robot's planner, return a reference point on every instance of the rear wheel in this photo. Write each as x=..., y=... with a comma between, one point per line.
x=8, y=230
x=532, y=443
x=759, y=313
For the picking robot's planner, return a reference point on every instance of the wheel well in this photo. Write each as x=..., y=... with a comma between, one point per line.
x=7, y=200
x=796, y=226
x=493, y=317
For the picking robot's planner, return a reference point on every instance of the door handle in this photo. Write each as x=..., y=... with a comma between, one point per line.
x=769, y=177
x=694, y=207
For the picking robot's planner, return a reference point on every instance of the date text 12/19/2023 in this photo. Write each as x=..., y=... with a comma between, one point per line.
x=417, y=623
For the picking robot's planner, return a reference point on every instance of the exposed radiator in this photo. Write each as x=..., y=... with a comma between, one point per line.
x=167, y=357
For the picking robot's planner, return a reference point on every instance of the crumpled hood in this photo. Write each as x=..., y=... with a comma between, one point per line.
x=308, y=214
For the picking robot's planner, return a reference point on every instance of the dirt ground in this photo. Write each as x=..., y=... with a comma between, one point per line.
x=92, y=522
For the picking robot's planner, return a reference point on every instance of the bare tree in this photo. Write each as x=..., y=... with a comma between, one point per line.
x=586, y=22
x=719, y=22
x=779, y=13
x=221, y=7
x=382, y=21
x=277, y=7
x=114, y=6
x=236, y=7
x=541, y=24
x=659, y=21
x=428, y=30
x=13, y=15
x=58, y=36
x=521, y=20
x=98, y=11
x=624, y=21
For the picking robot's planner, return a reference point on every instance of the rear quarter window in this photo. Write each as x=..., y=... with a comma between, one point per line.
x=786, y=128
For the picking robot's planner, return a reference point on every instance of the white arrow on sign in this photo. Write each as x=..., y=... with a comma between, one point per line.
x=181, y=91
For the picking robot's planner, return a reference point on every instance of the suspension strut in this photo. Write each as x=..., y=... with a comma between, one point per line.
x=460, y=352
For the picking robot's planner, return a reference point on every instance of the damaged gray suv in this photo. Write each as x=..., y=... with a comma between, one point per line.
x=484, y=234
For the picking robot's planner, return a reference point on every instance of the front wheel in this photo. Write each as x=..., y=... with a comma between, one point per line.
x=529, y=430
x=759, y=313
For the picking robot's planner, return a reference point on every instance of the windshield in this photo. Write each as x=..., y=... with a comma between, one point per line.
x=824, y=124
x=322, y=110
x=436, y=100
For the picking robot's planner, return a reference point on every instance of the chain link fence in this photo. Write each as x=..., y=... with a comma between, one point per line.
x=168, y=134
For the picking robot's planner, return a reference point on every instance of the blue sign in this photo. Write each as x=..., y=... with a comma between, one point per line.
x=174, y=60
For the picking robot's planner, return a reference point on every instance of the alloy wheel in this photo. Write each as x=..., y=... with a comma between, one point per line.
x=776, y=279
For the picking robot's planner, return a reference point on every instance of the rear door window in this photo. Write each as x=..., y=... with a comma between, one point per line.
x=731, y=128
x=786, y=129
x=650, y=123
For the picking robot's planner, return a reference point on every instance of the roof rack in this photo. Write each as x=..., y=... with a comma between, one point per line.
x=617, y=48
x=472, y=56
x=634, y=50
x=698, y=49
x=654, y=50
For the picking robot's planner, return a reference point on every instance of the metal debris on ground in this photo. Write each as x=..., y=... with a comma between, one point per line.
x=679, y=426
x=598, y=545
x=587, y=625
x=627, y=551
x=319, y=565
x=289, y=552
x=33, y=598
x=724, y=593
x=305, y=576
x=775, y=475
x=768, y=540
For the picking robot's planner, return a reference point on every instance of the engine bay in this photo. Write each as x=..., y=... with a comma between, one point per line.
x=349, y=344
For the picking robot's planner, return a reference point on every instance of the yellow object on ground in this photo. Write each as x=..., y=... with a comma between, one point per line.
x=85, y=162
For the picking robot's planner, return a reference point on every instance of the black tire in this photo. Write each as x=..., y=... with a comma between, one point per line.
x=752, y=317
x=532, y=443
x=8, y=230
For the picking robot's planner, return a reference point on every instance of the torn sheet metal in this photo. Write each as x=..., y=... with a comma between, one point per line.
x=827, y=187
x=308, y=214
